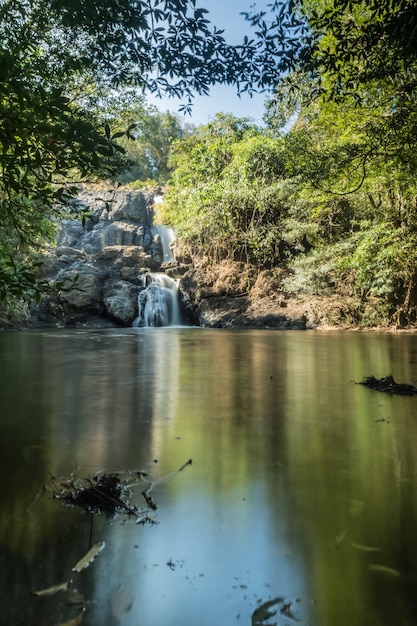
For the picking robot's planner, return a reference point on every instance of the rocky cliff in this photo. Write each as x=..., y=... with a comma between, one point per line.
x=97, y=267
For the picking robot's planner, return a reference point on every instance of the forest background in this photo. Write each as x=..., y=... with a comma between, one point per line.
x=332, y=199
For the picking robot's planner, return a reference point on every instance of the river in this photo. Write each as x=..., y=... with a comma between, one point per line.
x=300, y=500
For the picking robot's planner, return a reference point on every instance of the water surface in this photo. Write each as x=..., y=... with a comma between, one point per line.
x=301, y=490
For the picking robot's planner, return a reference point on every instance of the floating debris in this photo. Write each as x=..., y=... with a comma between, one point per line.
x=51, y=591
x=108, y=492
x=145, y=493
x=383, y=569
x=388, y=385
x=64, y=605
x=121, y=602
x=263, y=613
x=286, y=610
x=104, y=493
x=364, y=548
x=89, y=557
x=341, y=537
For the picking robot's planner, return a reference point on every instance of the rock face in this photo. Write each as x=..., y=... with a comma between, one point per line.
x=231, y=294
x=97, y=269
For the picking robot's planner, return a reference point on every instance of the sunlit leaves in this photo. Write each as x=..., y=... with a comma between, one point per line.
x=228, y=192
x=154, y=134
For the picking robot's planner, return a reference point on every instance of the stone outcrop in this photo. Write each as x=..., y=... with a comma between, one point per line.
x=97, y=267
x=231, y=294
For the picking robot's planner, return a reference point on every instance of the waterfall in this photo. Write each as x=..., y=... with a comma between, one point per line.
x=158, y=302
x=167, y=238
x=166, y=235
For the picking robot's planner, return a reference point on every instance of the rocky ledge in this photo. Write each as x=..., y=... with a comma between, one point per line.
x=231, y=294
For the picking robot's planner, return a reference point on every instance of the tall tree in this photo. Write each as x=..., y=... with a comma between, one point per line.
x=154, y=133
x=354, y=87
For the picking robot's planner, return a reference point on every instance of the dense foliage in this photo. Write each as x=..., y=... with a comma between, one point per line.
x=335, y=200
x=154, y=134
x=230, y=193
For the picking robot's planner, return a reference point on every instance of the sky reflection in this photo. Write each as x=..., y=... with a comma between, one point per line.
x=301, y=485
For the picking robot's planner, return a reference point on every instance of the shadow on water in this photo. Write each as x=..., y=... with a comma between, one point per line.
x=299, y=506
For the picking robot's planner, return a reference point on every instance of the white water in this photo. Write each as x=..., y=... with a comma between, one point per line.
x=158, y=302
x=167, y=236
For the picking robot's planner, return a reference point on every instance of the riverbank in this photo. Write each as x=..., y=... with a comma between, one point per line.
x=99, y=269
x=232, y=294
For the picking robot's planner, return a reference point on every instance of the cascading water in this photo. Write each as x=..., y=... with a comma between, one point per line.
x=167, y=238
x=166, y=234
x=158, y=302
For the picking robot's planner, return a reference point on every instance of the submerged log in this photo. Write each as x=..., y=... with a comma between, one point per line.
x=388, y=385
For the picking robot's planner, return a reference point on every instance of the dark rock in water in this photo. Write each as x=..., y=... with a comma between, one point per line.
x=388, y=385
x=120, y=299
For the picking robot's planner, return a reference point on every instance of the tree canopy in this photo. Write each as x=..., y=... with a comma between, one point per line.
x=343, y=175
x=357, y=53
x=59, y=61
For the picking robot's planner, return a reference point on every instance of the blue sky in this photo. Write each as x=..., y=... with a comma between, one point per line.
x=225, y=15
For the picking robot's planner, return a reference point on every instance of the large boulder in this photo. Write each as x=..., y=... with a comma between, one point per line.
x=69, y=232
x=121, y=301
x=130, y=205
x=119, y=256
x=115, y=204
x=81, y=291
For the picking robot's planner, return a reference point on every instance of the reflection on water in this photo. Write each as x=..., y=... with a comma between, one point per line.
x=301, y=493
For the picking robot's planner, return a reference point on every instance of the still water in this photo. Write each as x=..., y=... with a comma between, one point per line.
x=301, y=498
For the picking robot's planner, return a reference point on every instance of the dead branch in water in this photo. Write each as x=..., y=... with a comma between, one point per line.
x=388, y=385
x=108, y=492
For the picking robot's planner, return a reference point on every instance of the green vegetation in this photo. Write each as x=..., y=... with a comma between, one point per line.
x=230, y=193
x=334, y=200
x=154, y=133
